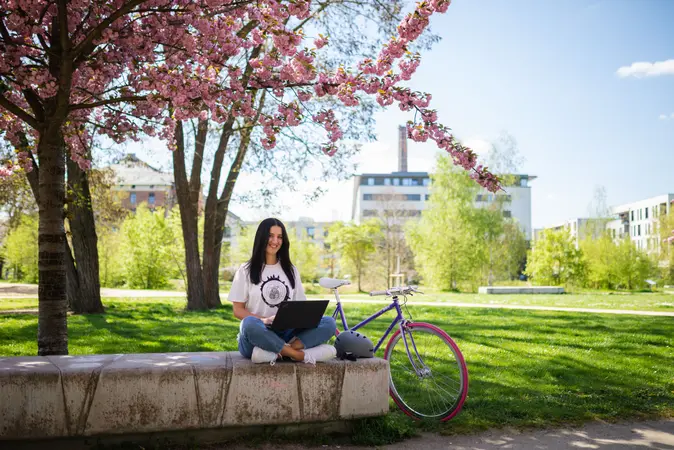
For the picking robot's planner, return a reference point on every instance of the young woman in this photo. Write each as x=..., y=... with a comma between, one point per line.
x=259, y=287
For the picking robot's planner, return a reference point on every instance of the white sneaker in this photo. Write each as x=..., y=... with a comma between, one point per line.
x=260, y=356
x=320, y=353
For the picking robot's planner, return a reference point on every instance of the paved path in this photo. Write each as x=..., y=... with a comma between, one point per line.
x=17, y=291
x=600, y=436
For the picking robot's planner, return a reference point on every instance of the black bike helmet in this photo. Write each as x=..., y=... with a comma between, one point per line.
x=354, y=344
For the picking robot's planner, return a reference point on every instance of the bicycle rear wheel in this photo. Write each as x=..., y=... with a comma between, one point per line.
x=431, y=382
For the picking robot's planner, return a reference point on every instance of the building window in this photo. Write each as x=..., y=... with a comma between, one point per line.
x=646, y=212
x=413, y=197
x=228, y=232
x=638, y=230
x=367, y=196
x=508, y=198
x=369, y=213
x=507, y=214
x=370, y=181
x=632, y=215
x=150, y=198
x=387, y=181
x=523, y=182
x=407, y=182
x=479, y=197
x=426, y=181
x=428, y=196
x=396, y=182
x=132, y=198
x=310, y=232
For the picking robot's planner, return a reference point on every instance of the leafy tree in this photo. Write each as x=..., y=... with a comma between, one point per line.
x=20, y=249
x=666, y=246
x=355, y=243
x=111, y=265
x=146, y=245
x=601, y=258
x=305, y=254
x=554, y=259
x=16, y=199
x=457, y=241
x=631, y=265
x=442, y=243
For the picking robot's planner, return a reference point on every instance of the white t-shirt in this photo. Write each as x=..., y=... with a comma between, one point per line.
x=274, y=288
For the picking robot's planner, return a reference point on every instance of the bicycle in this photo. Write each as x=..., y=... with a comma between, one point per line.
x=418, y=381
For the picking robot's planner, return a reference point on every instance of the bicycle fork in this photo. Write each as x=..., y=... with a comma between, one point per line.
x=420, y=368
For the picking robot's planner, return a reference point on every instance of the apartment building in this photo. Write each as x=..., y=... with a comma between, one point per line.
x=639, y=220
x=579, y=228
x=404, y=195
x=137, y=182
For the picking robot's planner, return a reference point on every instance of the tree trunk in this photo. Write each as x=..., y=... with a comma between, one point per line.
x=210, y=264
x=52, y=331
x=212, y=290
x=72, y=284
x=84, y=242
x=189, y=220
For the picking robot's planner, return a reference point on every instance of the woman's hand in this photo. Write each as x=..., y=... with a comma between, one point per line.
x=268, y=320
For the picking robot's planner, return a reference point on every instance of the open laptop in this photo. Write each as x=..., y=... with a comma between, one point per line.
x=299, y=314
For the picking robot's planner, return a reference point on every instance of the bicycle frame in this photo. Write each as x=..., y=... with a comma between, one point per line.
x=399, y=319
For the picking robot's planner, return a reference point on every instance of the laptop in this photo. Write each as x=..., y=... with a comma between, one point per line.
x=299, y=314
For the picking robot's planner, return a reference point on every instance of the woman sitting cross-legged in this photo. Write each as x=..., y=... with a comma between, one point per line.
x=267, y=280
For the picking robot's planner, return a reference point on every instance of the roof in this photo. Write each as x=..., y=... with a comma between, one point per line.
x=131, y=170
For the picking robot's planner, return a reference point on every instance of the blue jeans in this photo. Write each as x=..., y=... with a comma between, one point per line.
x=253, y=333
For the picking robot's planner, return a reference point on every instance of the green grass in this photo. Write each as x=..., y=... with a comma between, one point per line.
x=527, y=368
x=598, y=300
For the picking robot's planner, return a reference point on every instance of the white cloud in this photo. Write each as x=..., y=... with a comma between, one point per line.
x=647, y=69
x=666, y=117
x=478, y=145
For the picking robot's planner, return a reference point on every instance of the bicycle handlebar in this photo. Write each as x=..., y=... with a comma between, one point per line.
x=403, y=290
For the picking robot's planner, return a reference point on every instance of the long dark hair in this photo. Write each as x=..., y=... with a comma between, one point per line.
x=257, y=260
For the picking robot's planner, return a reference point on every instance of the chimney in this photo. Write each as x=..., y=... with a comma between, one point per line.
x=402, y=148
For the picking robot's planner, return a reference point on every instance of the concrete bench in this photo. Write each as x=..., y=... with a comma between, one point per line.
x=75, y=396
x=520, y=290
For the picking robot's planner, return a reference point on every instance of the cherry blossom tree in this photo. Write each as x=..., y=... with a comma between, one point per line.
x=132, y=67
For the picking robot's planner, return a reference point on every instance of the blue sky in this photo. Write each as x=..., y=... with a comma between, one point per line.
x=547, y=72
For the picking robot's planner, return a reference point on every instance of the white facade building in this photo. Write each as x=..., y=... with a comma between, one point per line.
x=579, y=228
x=408, y=194
x=639, y=220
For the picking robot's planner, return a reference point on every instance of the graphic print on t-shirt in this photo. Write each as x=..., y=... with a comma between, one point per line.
x=274, y=291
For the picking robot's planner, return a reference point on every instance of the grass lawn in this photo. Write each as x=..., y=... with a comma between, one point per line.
x=527, y=368
x=600, y=300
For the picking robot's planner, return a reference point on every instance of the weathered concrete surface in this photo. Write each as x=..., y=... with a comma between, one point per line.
x=98, y=395
x=520, y=290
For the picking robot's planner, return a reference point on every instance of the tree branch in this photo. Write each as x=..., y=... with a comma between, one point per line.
x=35, y=104
x=83, y=48
x=110, y=101
x=18, y=112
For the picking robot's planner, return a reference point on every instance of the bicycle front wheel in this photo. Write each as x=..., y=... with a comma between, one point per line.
x=428, y=377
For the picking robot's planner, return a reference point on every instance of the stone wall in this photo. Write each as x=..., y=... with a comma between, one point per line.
x=74, y=396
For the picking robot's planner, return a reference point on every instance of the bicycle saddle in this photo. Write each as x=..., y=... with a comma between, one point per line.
x=332, y=283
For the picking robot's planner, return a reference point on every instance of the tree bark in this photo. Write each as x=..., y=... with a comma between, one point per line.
x=213, y=295
x=84, y=242
x=210, y=264
x=189, y=219
x=52, y=330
